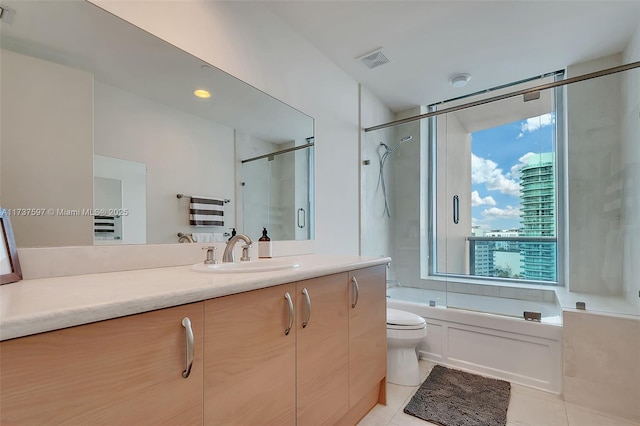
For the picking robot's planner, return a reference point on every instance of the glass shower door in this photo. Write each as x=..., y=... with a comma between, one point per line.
x=276, y=195
x=495, y=212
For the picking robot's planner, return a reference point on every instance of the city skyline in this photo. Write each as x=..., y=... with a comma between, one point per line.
x=497, y=156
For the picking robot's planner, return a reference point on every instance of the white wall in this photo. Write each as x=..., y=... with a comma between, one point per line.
x=250, y=42
x=630, y=151
x=47, y=150
x=184, y=154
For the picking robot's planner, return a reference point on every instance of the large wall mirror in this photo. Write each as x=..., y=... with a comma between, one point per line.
x=101, y=130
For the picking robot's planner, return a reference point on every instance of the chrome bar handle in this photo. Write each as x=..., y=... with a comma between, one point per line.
x=356, y=290
x=186, y=323
x=288, y=329
x=308, y=300
x=456, y=209
x=304, y=218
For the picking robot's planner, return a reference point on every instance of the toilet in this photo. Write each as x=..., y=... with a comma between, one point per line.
x=404, y=332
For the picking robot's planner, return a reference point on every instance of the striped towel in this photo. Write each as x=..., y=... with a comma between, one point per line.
x=104, y=224
x=204, y=211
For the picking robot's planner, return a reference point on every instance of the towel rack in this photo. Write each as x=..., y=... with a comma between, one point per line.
x=180, y=234
x=226, y=200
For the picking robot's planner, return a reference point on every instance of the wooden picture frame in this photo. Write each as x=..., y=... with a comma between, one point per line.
x=10, y=270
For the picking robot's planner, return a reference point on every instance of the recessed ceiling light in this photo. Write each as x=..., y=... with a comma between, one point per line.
x=202, y=93
x=460, y=80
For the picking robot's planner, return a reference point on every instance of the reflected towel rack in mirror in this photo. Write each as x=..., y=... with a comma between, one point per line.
x=226, y=200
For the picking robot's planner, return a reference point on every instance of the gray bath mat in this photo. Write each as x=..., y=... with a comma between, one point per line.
x=454, y=398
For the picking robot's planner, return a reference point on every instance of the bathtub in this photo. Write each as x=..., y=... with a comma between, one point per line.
x=499, y=344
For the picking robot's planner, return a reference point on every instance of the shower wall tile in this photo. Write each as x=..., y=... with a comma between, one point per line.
x=601, y=364
x=594, y=178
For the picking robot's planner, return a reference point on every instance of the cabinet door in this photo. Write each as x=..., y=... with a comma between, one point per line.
x=367, y=331
x=249, y=367
x=121, y=371
x=322, y=350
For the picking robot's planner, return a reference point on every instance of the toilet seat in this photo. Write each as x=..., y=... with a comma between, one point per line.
x=402, y=320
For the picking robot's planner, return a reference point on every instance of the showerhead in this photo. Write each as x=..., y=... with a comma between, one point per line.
x=400, y=142
x=383, y=158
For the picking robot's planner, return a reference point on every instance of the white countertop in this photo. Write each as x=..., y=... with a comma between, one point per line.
x=39, y=305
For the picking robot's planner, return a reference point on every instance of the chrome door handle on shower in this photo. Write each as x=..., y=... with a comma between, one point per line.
x=304, y=218
x=456, y=209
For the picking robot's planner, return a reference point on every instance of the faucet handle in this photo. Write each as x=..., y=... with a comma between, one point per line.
x=211, y=255
x=245, y=253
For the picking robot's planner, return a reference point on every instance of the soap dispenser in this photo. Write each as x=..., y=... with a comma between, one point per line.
x=264, y=245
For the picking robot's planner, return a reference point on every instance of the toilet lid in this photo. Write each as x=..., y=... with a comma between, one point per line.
x=403, y=318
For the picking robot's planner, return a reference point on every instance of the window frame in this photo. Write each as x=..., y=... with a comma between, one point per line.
x=428, y=245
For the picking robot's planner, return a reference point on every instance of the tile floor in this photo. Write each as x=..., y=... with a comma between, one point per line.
x=527, y=407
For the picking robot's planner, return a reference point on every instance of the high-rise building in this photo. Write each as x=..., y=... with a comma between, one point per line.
x=538, y=214
x=483, y=259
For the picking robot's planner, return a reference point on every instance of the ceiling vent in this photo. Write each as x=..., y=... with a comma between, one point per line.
x=374, y=59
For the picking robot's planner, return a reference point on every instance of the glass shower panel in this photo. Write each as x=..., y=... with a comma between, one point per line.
x=526, y=204
x=603, y=162
x=495, y=192
x=275, y=193
x=256, y=197
x=394, y=179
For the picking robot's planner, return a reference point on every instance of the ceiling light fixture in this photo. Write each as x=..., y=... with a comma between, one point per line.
x=460, y=80
x=202, y=93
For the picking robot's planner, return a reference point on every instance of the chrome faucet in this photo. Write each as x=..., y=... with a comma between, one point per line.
x=211, y=255
x=228, y=251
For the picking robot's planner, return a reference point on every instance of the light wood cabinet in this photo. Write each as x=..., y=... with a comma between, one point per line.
x=328, y=369
x=367, y=332
x=122, y=371
x=254, y=373
x=322, y=350
x=249, y=362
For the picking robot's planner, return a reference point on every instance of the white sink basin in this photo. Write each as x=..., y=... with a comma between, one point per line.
x=262, y=265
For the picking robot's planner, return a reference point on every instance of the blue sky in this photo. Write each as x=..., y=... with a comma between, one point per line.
x=498, y=154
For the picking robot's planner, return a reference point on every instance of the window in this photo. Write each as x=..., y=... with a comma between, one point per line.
x=494, y=188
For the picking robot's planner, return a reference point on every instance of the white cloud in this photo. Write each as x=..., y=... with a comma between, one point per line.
x=487, y=172
x=497, y=213
x=477, y=200
x=534, y=123
x=517, y=168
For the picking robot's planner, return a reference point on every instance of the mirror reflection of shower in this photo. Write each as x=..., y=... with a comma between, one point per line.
x=276, y=193
x=383, y=152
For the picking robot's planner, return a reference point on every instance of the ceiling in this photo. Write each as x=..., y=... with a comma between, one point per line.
x=497, y=42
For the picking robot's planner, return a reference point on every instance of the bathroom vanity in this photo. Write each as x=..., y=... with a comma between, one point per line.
x=284, y=348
